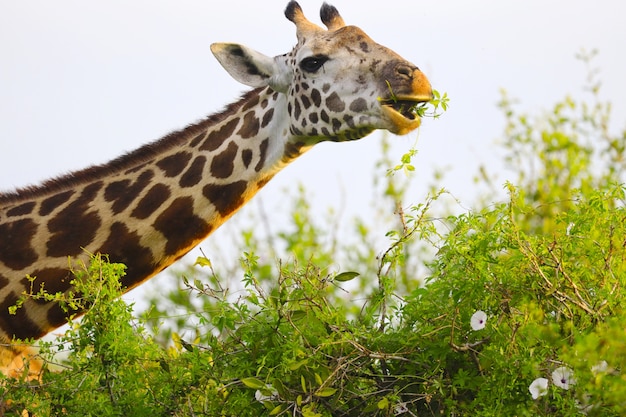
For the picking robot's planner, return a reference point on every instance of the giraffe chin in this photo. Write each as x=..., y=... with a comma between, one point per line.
x=400, y=124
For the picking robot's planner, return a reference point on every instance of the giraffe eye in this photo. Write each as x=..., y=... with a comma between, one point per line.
x=313, y=63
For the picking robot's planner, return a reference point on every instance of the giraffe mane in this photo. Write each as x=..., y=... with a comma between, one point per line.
x=127, y=161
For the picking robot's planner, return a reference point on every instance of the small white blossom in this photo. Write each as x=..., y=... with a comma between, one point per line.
x=478, y=320
x=563, y=377
x=400, y=408
x=260, y=397
x=600, y=367
x=538, y=388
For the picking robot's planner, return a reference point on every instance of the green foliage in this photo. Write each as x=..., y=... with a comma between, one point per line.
x=512, y=308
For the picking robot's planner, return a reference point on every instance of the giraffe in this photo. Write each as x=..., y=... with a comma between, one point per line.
x=148, y=208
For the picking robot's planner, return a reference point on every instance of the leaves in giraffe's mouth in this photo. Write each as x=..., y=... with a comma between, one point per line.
x=407, y=108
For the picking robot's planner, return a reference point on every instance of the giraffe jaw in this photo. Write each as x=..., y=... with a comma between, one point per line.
x=401, y=111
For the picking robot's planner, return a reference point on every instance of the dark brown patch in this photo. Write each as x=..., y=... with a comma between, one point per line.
x=225, y=197
x=222, y=165
x=316, y=97
x=196, y=141
x=263, y=152
x=349, y=120
x=154, y=198
x=53, y=280
x=324, y=116
x=180, y=226
x=217, y=137
x=173, y=165
x=296, y=109
x=306, y=103
x=267, y=117
x=364, y=47
x=16, y=250
x=74, y=227
x=359, y=105
x=250, y=104
x=292, y=150
x=122, y=193
x=56, y=317
x=250, y=126
x=4, y=281
x=49, y=204
x=246, y=157
x=313, y=117
x=21, y=210
x=335, y=103
x=193, y=175
x=326, y=88
x=124, y=246
x=19, y=325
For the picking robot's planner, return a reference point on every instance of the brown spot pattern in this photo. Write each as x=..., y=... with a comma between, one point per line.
x=21, y=210
x=19, y=325
x=262, y=154
x=49, y=204
x=194, y=174
x=150, y=202
x=359, y=105
x=122, y=193
x=246, y=157
x=267, y=117
x=16, y=251
x=173, y=165
x=335, y=103
x=180, y=226
x=225, y=197
x=316, y=97
x=250, y=126
x=222, y=165
x=74, y=227
x=53, y=280
x=124, y=246
x=217, y=137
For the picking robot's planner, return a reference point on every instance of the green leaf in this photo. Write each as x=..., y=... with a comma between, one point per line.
x=318, y=379
x=203, y=261
x=303, y=383
x=325, y=392
x=253, y=383
x=276, y=410
x=298, y=315
x=346, y=276
x=383, y=404
x=297, y=365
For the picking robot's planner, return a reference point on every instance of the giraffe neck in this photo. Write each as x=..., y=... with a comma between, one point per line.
x=146, y=209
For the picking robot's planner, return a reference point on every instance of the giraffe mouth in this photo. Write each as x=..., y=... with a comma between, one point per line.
x=404, y=112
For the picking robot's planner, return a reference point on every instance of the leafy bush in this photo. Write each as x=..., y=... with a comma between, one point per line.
x=513, y=308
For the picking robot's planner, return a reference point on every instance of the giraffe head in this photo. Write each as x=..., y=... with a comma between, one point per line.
x=338, y=83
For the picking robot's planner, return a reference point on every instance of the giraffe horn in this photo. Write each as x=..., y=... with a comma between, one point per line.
x=330, y=17
x=294, y=13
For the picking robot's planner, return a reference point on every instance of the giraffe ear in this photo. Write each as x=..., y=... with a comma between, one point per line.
x=245, y=65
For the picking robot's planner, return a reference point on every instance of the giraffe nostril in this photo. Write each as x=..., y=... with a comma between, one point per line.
x=404, y=70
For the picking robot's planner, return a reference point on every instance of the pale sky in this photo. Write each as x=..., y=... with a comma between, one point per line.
x=82, y=82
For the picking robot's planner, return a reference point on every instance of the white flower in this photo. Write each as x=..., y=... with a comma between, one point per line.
x=478, y=320
x=261, y=397
x=563, y=377
x=600, y=367
x=400, y=408
x=538, y=388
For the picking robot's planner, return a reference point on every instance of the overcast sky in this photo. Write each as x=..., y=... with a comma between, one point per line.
x=82, y=82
